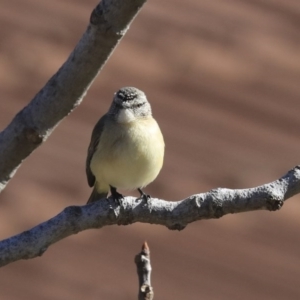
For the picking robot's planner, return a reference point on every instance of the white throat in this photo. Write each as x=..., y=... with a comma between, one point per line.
x=125, y=116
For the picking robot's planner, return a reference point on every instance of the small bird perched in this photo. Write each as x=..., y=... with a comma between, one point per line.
x=127, y=147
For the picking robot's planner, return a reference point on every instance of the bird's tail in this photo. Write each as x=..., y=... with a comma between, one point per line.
x=95, y=196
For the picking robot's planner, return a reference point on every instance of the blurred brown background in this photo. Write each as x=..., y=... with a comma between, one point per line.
x=223, y=79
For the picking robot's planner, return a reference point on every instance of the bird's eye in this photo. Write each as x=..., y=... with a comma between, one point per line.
x=139, y=105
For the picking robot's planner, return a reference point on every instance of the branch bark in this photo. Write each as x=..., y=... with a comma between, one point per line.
x=174, y=215
x=65, y=90
x=143, y=265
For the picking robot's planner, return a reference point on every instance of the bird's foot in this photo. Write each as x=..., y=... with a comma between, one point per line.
x=116, y=196
x=144, y=196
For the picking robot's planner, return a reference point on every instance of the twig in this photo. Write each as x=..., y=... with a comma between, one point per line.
x=143, y=265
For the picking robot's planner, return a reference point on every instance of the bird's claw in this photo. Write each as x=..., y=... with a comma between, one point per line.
x=144, y=196
x=116, y=196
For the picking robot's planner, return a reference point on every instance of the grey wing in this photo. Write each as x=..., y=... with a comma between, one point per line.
x=96, y=135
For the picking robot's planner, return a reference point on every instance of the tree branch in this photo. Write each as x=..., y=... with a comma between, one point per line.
x=174, y=215
x=65, y=90
x=143, y=265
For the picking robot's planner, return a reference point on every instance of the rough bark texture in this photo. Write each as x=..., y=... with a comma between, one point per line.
x=173, y=215
x=65, y=90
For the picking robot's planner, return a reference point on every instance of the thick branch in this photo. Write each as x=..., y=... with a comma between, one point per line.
x=174, y=215
x=143, y=266
x=65, y=90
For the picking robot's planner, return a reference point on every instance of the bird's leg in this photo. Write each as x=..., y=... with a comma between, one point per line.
x=143, y=195
x=116, y=196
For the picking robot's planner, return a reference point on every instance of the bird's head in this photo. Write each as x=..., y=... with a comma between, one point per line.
x=129, y=104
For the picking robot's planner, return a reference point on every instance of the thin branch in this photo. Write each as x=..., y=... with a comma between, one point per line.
x=143, y=265
x=174, y=215
x=65, y=90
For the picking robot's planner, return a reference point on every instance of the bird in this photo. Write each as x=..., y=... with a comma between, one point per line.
x=126, y=150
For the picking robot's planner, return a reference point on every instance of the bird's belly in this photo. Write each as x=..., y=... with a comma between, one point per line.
x=129, y=172
x=132, y=159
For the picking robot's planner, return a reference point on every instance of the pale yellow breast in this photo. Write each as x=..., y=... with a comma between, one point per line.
x=129, y=155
